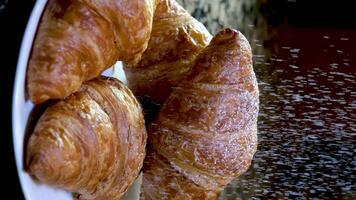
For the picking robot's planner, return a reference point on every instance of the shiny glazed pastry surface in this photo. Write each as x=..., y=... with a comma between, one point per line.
x=92, y=143
x=206, y=132
x=176, y=40
x=77, y=40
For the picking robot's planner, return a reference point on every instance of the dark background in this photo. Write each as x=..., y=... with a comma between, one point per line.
x=13, y=19
x=14, y=15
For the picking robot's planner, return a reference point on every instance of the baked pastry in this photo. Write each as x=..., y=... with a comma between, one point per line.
x=206, y=132
x=77, y=40
x=92, y=143
x=176, y=40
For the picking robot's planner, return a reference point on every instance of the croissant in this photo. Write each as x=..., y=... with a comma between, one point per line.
x=206, y=132
x=176, y=39
x=77, y=40
x=92, y=143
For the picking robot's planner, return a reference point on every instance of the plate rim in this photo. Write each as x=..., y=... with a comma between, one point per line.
x=19, y=86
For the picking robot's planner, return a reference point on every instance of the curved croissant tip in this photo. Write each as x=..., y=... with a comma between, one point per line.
x=37, y=167
x=36, y=96
x=229, y=32
x=46, y=161
x=229, y=35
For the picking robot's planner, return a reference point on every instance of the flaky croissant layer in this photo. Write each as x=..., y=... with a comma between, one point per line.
x=206, y=132
x=175, y=41
x=92, y=143
x=77, y=40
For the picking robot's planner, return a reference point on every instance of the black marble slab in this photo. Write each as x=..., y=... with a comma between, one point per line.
x=305, y=62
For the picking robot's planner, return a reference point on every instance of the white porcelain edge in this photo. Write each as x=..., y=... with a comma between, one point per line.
x=19, y=112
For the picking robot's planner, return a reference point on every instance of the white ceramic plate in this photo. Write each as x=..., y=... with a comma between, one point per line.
x=22, y=107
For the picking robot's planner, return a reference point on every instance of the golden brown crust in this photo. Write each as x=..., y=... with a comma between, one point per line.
x=207, y=128
x=92, y=143
x=176, y=40
x=77, y=40
x=162, y=181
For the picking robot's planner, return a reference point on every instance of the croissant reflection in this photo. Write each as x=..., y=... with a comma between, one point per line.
x=206, y=132
x=92, y=143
